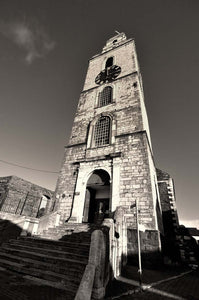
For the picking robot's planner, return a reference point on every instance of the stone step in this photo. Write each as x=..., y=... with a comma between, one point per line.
x=52, y=252
x=60, y=257
x=56, y=261
x=69, y=233
x=79, y=248
x=73, y=236
x=70, y=267
x=67, y=294
x=73, y=228
x=65, y=237
x=76, y=228
x=53, y=279
x=51, y=243
x=53, y=237
x=77, y=225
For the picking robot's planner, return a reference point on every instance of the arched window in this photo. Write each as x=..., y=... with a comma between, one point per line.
x=109, y=62
x=105, y=97
x=102, y=131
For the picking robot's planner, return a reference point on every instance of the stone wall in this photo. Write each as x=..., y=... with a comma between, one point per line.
x=124, y=56
x=3, y=189
x=127, y=158
x=125, y=109
x=168, y=201
x=22, y=197
x=169, y=216
x=150, y=252
x=130, y=155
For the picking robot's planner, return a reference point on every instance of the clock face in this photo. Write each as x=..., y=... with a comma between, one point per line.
x=108, y=74
x=101, y=77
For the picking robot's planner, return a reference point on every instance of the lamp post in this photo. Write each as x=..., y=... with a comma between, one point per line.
x=139, y=246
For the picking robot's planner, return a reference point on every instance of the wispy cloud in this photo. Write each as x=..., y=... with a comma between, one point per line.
x=29, y=36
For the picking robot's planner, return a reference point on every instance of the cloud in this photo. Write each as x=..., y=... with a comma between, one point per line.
x=30, y=37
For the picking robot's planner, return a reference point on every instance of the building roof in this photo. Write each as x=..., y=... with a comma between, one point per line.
x=193, y=231
x=13, y=178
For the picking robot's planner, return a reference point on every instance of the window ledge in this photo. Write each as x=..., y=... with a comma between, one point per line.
x=113, y=102
x=102, y=146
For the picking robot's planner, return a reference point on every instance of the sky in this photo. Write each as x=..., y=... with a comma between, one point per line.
x=44, y=51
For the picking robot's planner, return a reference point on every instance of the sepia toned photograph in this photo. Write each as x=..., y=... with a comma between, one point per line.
x=99, y=149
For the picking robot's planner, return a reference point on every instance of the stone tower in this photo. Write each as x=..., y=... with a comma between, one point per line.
x=108, y=164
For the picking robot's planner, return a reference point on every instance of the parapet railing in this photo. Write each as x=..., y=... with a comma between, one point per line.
x=100, y=266
x=93, y=280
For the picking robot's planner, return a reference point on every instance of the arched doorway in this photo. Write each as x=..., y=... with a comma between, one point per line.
x=97, y=197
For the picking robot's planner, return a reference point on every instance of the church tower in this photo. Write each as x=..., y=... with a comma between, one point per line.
x=108, y=163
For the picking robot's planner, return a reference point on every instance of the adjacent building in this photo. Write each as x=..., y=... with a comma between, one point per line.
x=21, y=197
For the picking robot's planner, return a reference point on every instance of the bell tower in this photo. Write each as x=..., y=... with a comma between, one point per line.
x=108, y=162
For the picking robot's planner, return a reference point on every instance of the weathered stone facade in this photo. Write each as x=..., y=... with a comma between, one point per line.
x=169, y=216
x=111, y=205
x=127, y=157
x=20, y=197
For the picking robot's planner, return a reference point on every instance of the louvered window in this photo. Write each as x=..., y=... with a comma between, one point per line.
x=109, y=62
x=105, y=97
x=102, y=131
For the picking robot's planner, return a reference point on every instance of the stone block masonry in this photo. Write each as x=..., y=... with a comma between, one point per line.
x=126, y=155
x=21, y=197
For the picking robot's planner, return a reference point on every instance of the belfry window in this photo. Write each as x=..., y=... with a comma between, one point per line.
x=102, y=131
x=105, y=97
x=109, y=62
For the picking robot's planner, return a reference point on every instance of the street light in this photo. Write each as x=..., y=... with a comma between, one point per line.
x=139, y=246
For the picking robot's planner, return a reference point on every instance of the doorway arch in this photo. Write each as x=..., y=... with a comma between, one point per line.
x=97, y=197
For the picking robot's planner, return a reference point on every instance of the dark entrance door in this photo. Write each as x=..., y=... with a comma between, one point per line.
x=97, y=197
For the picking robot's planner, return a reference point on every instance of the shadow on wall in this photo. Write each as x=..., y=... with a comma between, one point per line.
x=8, y=230
x=170, y=247
x=150, y=253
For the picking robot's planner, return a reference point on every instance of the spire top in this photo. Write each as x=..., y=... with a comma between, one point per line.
x=115, y=41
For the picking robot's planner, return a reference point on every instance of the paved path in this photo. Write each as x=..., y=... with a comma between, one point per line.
x=15, y=287
x=184, y=287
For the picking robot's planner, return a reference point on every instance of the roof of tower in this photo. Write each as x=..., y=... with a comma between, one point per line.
x=115, y=41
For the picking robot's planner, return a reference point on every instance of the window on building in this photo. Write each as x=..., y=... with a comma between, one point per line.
x=42, y=206
x=105, y=97
x=102, y=131
x=109, y=62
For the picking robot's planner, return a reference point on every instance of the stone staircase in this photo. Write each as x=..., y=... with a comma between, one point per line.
x=69, y=231
x=58, y=257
